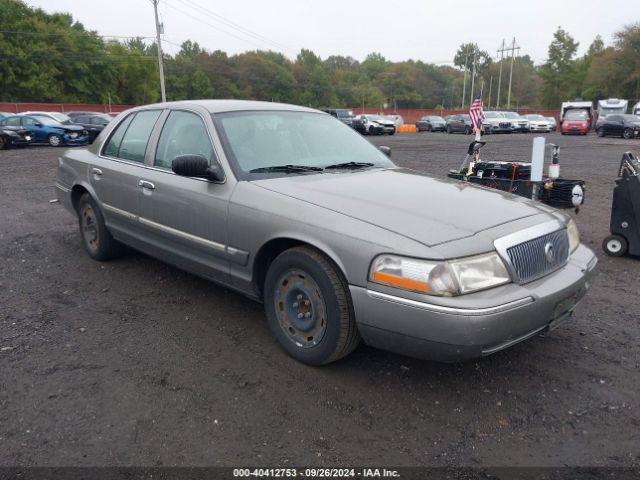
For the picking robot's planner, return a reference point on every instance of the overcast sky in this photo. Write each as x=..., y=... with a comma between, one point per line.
x=419, y=29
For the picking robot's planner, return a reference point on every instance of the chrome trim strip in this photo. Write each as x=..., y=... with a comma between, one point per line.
x=59, y=186
x=122, y=213
x=187, y=236
x=450, y=310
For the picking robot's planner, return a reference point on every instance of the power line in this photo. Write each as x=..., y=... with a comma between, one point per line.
x=87, y=34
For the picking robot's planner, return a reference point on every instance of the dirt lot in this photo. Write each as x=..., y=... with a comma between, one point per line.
x=136, y=363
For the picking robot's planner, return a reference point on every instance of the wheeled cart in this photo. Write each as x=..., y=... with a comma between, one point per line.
x=625, y=210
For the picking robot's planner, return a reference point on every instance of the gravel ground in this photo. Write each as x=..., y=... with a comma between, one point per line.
x=134, y=362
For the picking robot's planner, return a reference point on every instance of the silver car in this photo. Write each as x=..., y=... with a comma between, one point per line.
x=293, y=208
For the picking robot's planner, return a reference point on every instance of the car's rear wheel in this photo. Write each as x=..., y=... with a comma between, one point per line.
x=96, y=238
x=2, y=143
x=449, y=129
x=55, y=140
x=309, y=308
x=600, y=132
x=467, y=130
x=615, y=245
x=627, y=133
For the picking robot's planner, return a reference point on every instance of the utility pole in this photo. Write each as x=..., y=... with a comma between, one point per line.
x=464, y=82
x=513, y=56
x=473, y=75
x=490, y=86
x=501, y=52
x=160, y=65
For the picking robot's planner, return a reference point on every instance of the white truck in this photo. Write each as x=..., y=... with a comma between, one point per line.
x=612, y=106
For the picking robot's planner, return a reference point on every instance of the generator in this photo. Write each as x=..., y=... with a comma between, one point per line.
x=625, y=210
x=515, y=177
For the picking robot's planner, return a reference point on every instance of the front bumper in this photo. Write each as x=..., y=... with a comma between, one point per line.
x=79, y=140
x=540, y=128
x=472, y=325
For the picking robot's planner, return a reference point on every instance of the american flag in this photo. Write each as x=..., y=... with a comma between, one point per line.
x=477, y=114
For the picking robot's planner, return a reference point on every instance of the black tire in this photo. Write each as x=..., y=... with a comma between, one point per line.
x=600, y=132
x=371, y=131
x=627, y=134
x=429, y=128
x=467, y=130
x=2, y=143
x=449, y=130
x=615, y=245
x=96, y=238
x=303, y=281
x=55, y=140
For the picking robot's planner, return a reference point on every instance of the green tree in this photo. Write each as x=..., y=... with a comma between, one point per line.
x=559, y=71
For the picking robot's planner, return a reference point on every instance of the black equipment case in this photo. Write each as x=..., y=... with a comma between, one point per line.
x=625, y=210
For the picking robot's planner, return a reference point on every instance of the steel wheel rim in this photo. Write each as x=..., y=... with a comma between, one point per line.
x=300, y=308
x=89, y=225
x=614, y=245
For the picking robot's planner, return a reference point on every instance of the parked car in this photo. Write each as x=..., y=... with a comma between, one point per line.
x=14, y=136
x=342, y=114
x=373, y=125
x=625, y=126
x=94, y=123
x=290, y=207
x=77, y=113
x=62, y=118
x=495, y=122
x=431, y=123
x=518, y=122
x=586, y=107
x=459, y=124
x=575, y=121
x=552, y=123
x=538, y=123
x=45, y=130
x=5, y=114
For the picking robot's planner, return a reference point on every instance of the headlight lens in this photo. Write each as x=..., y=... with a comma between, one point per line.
x=446, y=278
x=574, y=236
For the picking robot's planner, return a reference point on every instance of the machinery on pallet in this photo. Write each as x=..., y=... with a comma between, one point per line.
x=625, y=210
x=523, y=178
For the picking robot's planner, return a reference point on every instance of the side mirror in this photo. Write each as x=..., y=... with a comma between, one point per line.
x=385, y=150
x=196, y=166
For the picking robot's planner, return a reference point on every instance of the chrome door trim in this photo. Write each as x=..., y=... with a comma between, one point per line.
x=450, y=310
x=122, y=213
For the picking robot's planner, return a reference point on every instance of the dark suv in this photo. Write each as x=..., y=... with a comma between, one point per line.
x=622, y=125
x=459, y=123
x=342, y=114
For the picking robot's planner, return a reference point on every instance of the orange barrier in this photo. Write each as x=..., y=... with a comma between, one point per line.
x=407, y=128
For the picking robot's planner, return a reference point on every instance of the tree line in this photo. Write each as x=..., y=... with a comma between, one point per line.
x=52, y=58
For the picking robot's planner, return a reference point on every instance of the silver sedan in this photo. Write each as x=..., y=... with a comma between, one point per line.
x=292, y=208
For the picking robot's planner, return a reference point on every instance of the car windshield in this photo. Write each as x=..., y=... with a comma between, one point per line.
x=46, y=120
x=576, y=115
x=510, y=115
x=437, y=119
x=274, y=138
x=466, y=118
x=535, y=117
x=492, y=115
x=344, y=113
x=376, y=118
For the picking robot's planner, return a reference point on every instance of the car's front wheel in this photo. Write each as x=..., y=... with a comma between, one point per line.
x=55, y=140
x=627, y=134
x=309, y=307
x=96, y=238
x=600, y=132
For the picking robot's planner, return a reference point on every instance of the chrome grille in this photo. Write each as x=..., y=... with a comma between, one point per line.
x=538, y=257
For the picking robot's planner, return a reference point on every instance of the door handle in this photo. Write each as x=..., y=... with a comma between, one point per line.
x=96, y=171
x=146, y=184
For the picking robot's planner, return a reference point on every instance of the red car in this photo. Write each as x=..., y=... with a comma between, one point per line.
x=576, y=122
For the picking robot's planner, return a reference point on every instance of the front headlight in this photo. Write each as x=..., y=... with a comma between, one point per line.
x=441, y=278
x=574, y=236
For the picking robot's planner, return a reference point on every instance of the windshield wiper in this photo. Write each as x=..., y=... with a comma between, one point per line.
x=286, y=169
x=349, y=165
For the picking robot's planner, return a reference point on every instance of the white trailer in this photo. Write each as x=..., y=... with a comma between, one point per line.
x=636, y=109
x=612, y=106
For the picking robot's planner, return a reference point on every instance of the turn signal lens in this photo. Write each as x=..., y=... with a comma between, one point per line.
x=414, y=275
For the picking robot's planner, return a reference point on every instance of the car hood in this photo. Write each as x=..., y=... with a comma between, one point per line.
x=425, y=209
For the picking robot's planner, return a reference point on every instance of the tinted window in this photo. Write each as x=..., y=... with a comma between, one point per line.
x=113, y=146
x=184, y=133
x=31, y=122
x=99, y=121
x=133, y=144
x=81, y=119
x=11, y=122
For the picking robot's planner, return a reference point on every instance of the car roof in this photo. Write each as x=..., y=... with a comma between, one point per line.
x=220, y=106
